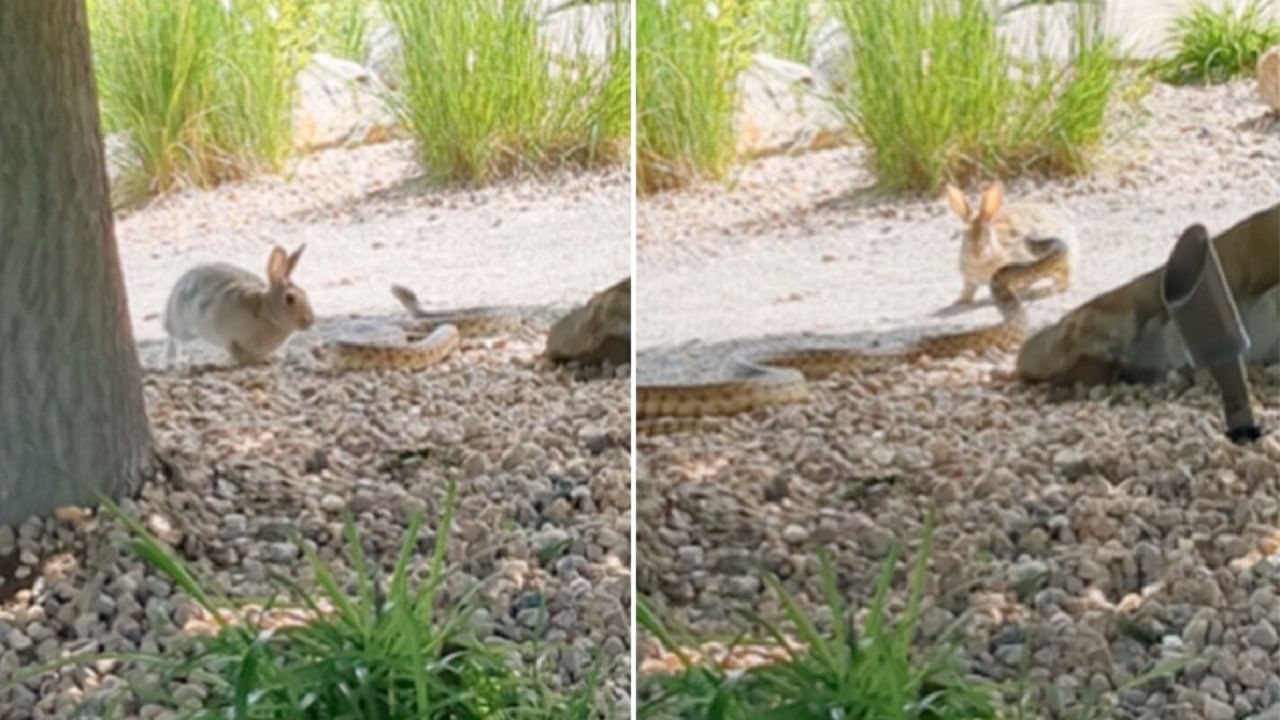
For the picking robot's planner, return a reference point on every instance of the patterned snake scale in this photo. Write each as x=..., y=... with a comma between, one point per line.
x=756, y=379
x=429, y=338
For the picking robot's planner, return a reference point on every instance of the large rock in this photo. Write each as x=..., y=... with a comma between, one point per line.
x=339, y=103
x=121, y=157
x=1127, y=335
x=832, y=56
x=385, y=54
x=596, y=332
x=1269, y=78
x=129, y=183
x=783, y=110
x=588, y=30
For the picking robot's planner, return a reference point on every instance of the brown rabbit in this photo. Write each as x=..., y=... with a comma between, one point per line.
x=995, y=235
x=234, y=309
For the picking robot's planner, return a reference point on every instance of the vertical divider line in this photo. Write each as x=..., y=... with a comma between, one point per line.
x=635, y=652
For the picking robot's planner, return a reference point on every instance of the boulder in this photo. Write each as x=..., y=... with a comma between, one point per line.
x=575, y=30
x=125, y=176
x=121, y=157
x=782, y=110
x=339, y=102
x=1126, y=334
x=1269, y=78
x=385, y=54
x=597, y=332
x=831, y=56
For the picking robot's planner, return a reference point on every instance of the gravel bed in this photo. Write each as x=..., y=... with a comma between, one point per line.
x=541, y=460
x=1091, y=533
x=542, y=457
x=1100, y=531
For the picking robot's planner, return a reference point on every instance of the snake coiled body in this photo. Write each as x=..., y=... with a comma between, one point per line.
x=760, y=379
x=428, y=338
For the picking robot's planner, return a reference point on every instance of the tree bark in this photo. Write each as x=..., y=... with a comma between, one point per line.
x=72, y=417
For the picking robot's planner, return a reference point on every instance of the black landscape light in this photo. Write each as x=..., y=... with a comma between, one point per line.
x=1196, y=294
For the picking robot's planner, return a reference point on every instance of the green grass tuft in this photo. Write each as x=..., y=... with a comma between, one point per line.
x=485, y=97
x=384, y=650
x=938, y=95
x=688, y=59
x=872, y=671
x=1215, y=43
x=786, y=27
x=203, y=90
x=339, y=27
x=850, y=673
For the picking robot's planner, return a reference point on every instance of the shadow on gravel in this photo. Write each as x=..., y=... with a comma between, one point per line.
x=1268, y=123
x=871, y=197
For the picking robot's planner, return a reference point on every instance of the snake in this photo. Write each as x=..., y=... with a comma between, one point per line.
x=754, y=379
x=428, y=338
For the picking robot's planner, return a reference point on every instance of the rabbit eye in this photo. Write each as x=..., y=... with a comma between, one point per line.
x=289, y=298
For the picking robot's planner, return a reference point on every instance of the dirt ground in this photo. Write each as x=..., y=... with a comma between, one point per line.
x=802, y=245
x=367, y=223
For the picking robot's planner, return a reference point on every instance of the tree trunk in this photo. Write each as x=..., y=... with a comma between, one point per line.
x=72, y=418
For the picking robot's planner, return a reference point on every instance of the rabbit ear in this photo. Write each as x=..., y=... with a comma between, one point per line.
x=293, y=259
x=956, y=200
x=277, y=266
x=991, y=199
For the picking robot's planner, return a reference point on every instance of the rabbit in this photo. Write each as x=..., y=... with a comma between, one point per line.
x=997, y=234
x=234, y=309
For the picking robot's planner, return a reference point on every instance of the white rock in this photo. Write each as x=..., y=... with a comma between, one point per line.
x=795, y=534
x=584, y=30
x=332, y=503
x=1215, y=686
x=236, y=524
x=832, y=55
x=1264, y=635
x=690, y=557
x=1070, y=462
x=18, y=640
x=1252, y=677
x=339, y=103
x=1215, y=709
x=782, y=110
x=385, y=53
x=549, y=538
x=121, y=157
x=282, y=552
